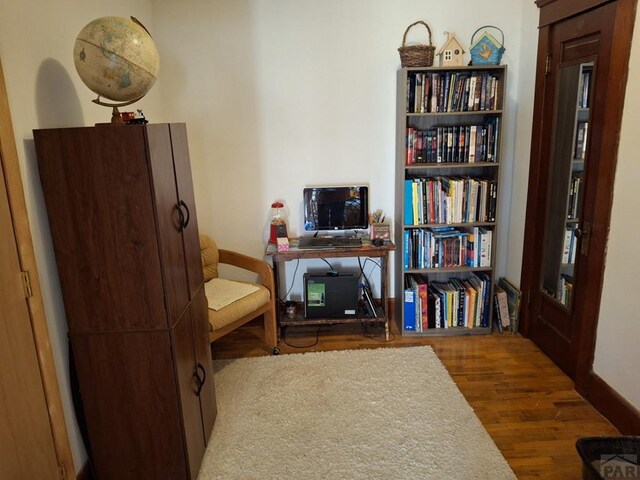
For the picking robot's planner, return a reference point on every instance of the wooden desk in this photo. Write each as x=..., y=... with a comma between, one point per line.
x=366, y=250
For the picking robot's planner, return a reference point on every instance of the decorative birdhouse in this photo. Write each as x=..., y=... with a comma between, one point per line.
x=451, y=52
x=486, y=50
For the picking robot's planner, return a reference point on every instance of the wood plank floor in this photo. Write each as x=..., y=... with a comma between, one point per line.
x=526, y=403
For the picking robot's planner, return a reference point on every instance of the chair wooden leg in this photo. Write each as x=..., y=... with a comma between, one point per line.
x=270, y=328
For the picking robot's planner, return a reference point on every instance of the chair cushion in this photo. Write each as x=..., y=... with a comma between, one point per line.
x=221, y=293
x=239, y=308
x=210, y=257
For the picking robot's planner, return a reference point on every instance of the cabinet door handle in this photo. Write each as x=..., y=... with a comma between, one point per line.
x=204, y=375
x=186, y=222
x=199, y=382
x=583, y=234
x=181, y=223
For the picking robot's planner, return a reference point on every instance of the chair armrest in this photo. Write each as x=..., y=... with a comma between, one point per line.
x=251, y=264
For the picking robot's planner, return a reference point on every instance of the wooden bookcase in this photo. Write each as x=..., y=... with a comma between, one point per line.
x=448, y=156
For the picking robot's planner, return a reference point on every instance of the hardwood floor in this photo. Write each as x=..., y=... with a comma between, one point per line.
x=526, y=403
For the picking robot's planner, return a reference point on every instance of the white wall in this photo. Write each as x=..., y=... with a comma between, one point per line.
x=36, y=46
x=283, y=94
x=617, y=353
x=516, y=184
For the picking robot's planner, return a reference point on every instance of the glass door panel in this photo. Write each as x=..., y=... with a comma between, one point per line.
x=566, y=182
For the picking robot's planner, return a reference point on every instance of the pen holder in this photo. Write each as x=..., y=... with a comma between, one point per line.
x=381, y=231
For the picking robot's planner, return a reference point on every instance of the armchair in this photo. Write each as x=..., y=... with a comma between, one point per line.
x=237, y=313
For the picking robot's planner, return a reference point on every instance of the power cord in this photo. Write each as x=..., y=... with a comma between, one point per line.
x=325, y=261
x=372, y=332
x=284, y=338
x=293, y=280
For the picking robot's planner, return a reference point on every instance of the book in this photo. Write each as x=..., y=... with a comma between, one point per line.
x=409, y=305
x=422, y=288
x=435, y=311
x=581, y=140
x=408, y=202
x=502, y=306
x=485, y=247
x=496, y=317
x=513, y=301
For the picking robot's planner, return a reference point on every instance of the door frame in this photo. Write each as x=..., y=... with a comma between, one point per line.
x=9, y=162
x=552, y=12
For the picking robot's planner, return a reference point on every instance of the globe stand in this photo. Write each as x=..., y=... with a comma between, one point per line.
x=116, y=118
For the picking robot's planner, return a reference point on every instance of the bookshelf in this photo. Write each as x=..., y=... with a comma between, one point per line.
x=449, y=125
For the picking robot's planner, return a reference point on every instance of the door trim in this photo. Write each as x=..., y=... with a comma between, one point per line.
x=17, y=206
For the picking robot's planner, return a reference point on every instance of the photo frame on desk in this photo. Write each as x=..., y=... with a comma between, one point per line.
x=380, y=231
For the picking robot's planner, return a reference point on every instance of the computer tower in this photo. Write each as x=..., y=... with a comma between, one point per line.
x=330, y=295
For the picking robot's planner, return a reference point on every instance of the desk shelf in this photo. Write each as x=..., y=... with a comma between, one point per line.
x=367, y=250
x=300, y=320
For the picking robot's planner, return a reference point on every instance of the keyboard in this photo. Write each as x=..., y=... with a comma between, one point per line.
x=329, y=242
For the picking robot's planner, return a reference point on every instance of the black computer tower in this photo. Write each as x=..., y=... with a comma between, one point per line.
x=330, y=295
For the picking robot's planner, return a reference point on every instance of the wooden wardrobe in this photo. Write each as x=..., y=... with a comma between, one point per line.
x=123, y=222
x=583, y=54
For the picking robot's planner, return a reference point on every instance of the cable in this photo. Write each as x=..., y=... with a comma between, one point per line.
x=367, y=328
x=362, y=267
x=369, y=259
x=284, y=338
x=325, y=261
x=292, y=281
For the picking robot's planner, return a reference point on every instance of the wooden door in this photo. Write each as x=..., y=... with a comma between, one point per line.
x=171, y=217
x=16, y=246
x=130, y=400
x=184, y=182
x=26, y=442
x=574, y=150
x=101, y=213
x=189, y=387
x=204, y=361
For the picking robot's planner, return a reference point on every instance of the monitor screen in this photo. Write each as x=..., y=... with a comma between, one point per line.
x=336, y=208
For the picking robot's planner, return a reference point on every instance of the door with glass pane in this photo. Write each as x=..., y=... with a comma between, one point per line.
x=572, y=158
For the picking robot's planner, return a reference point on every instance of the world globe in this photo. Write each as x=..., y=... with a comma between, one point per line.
x=117, y=59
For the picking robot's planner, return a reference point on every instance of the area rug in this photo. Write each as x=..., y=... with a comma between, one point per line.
x=385, y=413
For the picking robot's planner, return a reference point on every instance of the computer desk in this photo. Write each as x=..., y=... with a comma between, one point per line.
x=367, y=250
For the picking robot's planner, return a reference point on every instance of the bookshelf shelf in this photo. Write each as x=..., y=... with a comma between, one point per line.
x=436, y=225
x=448, y=270
x=448, y=154
x=429, y=166
x=449, y=114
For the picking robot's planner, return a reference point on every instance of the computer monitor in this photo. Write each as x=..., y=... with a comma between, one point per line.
x=336, y=208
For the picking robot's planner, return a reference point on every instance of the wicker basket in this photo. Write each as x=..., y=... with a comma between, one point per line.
x=416, y=55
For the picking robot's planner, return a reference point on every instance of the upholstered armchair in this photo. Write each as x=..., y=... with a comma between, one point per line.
x=233, y=303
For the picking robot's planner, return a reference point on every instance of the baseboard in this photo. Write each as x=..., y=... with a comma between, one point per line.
x=624, y=416
x=86, y=472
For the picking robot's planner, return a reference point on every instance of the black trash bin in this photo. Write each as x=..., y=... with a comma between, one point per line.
x=609, y=457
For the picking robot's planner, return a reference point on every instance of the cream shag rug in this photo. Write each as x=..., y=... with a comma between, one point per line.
x=386, y=413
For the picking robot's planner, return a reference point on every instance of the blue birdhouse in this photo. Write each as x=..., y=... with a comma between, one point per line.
x=486, y=50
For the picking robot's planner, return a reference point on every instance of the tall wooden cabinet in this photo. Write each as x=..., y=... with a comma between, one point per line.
x=583, y=53
x=124, y=228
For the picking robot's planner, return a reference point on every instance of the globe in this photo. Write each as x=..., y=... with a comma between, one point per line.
x=117, y=59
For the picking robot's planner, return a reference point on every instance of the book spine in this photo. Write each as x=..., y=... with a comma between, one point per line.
x=408, y=202
x=409, y=310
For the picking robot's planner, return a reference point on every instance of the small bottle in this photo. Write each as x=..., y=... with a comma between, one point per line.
x=278, y=222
